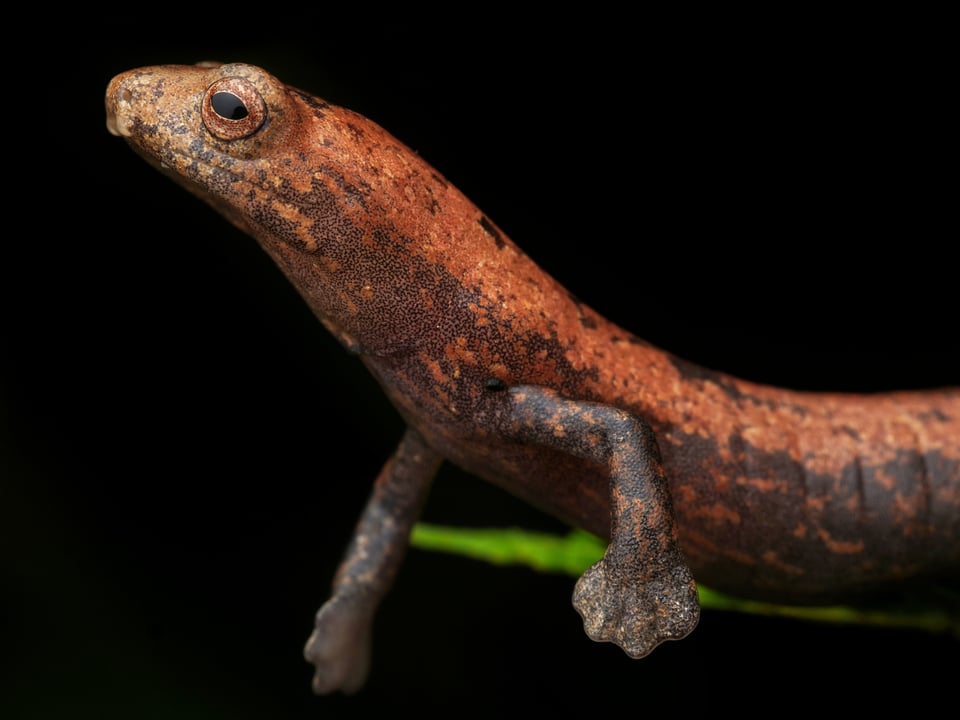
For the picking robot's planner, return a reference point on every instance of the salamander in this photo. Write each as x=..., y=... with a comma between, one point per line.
x=691, y=474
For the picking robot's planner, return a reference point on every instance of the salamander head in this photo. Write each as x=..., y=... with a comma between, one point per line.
x=215, y=129
x=321, y=188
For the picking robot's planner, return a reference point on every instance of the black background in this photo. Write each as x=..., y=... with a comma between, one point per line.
x=184, y=449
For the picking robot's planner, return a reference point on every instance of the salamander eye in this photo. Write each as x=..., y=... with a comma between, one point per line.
x=233, y=109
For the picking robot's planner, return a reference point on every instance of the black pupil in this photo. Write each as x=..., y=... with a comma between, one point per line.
x=229, y=106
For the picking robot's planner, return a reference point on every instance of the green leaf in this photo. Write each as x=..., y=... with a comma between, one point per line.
x=570, y=554
x=573, y=553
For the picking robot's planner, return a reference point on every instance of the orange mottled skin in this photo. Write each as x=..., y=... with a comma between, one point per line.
x=495, y=367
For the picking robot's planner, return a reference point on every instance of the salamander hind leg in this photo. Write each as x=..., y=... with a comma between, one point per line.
x=339, y=647
x=641, y=593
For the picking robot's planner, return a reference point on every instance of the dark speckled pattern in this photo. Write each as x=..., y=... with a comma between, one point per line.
x=760, y=491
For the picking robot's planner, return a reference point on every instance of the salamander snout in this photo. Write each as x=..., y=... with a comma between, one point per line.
x=121, y=100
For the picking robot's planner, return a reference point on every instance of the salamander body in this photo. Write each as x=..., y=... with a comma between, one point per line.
x=758, y=491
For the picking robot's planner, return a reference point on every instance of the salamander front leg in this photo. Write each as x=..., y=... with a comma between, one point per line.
x=340, y=644
x=642, y=592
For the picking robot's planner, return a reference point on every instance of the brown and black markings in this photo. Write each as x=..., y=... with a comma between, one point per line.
x=690, y=473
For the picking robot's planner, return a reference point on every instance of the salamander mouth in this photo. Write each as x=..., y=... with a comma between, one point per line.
x=113, y=127
x=207, y=173
x=213, y=182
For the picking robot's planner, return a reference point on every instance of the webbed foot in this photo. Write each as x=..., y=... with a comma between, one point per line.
x=636, y=615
